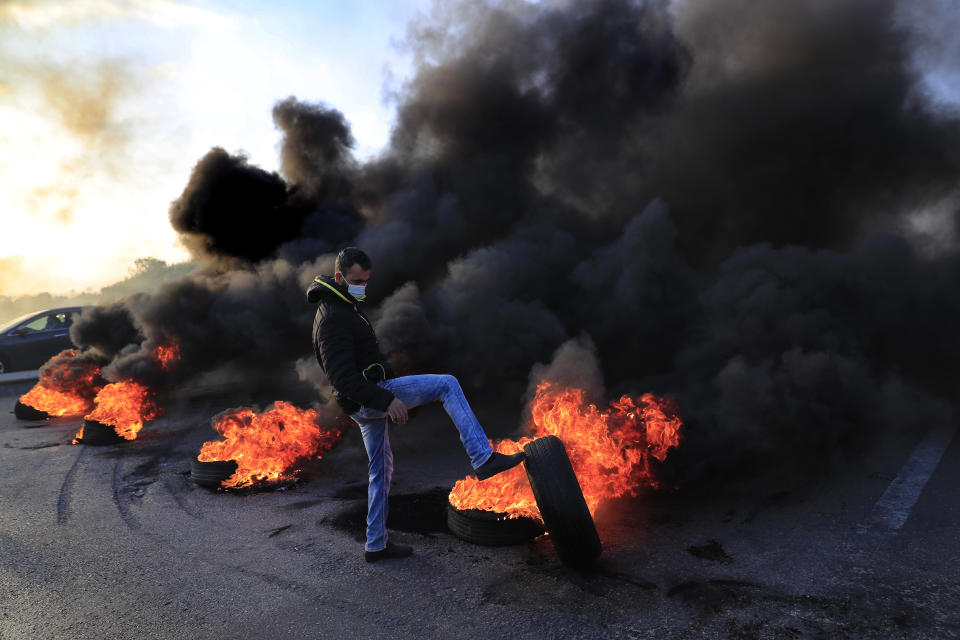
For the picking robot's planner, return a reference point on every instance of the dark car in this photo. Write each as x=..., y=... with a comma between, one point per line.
x=30, y=340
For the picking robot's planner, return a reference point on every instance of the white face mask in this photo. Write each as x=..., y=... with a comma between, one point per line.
x=358, y=291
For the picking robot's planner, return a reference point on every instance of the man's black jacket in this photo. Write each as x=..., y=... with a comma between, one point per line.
x=347, y=348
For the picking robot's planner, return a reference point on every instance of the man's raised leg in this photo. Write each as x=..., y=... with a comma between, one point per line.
x=422, y=389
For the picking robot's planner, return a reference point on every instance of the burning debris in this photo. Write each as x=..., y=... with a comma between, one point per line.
x=489, y=528
x=125, y=406
x=167, y=354
x=266, y=446
x=96, y=433
x=211, y=474
x=67, y=386
x=610, y=450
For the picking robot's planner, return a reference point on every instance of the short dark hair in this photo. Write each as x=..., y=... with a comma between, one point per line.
x=351, y=256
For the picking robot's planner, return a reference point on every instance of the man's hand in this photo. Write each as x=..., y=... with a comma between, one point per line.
x=397, y=411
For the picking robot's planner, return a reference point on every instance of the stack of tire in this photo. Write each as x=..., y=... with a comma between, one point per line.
x=560, y=500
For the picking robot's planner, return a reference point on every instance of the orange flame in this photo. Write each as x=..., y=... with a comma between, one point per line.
x=65, y=388
x=509, y=493
x=610, y=450
x=125, y=406
x=56, y=403
x=166, y=354
x=267, y=445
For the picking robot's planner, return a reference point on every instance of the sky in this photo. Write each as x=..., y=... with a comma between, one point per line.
x=106, y=105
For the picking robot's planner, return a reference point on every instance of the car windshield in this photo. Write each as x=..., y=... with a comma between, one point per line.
x=13, y=323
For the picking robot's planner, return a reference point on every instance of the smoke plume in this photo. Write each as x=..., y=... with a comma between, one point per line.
x=232, y=209
x=716, y=201
x=316, y=149
x=108, y=329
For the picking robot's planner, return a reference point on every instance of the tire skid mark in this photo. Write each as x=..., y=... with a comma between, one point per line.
x=309, y=592
x=66, y=488
x=170, y=483
x=122, y=503
x=173, y=486
x=305, y=590
x=125, y=514
x=34, y=447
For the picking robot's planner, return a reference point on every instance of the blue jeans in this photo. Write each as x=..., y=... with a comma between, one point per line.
x=412, y=391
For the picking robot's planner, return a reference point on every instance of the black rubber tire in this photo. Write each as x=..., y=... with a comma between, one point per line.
x=491, y=529
x=210, y=474
x=561, y=502
x=97, y=434
x=26, y=412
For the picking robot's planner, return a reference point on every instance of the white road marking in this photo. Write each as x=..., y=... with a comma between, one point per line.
x=894, y=506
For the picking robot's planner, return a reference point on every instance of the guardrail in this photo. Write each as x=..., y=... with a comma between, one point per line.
x=19, y=376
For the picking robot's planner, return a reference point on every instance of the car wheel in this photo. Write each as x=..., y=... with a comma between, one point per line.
x=210, y=474
x=490, y=528
x=560, y=499
x=3, y=366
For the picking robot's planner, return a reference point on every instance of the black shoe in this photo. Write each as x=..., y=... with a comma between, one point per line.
x=390, y=551
x=498, y=462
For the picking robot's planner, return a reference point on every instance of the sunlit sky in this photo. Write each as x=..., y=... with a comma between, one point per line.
x=106, y=105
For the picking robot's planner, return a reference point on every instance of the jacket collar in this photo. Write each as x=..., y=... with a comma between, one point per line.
x=329, y=284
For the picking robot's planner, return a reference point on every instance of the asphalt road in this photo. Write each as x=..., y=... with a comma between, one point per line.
x=116, y=542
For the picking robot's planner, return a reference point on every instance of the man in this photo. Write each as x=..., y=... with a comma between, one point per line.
x=363, y=384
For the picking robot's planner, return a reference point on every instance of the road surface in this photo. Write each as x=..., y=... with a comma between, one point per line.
x=116, y=542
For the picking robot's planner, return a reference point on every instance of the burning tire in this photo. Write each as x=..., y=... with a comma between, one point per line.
x=210, y=474
x=489, y=528
x=96, y=433
x=560, y=499
x=26, y=412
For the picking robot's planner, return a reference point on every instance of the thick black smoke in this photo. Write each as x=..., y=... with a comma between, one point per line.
x=575, y=364
x=316, y=149
x=789, y=124
x=108, y=329
x=232, y=209
x=493, y=100
x=801, y=123
x=104, y=332
x=315, y=158
x=797, y=356
x=244, y=328
x=721, y=201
